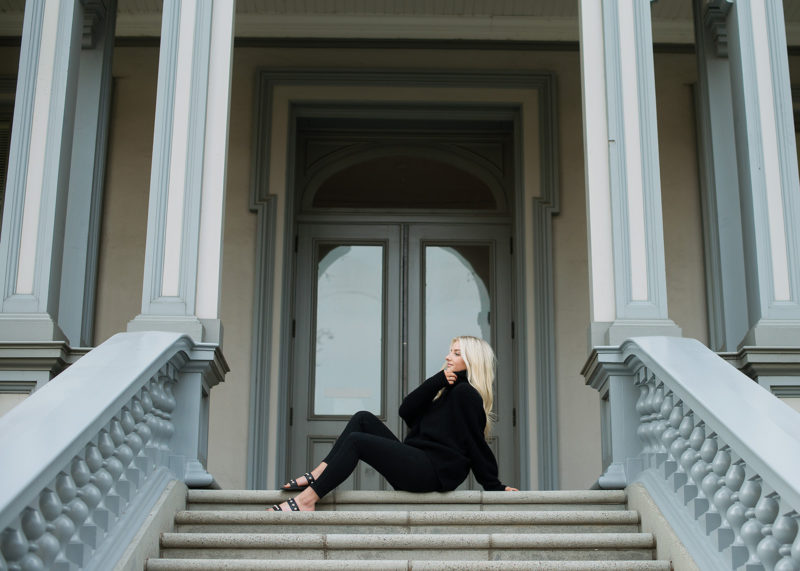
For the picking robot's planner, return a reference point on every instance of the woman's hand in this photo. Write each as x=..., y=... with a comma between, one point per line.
x=450, y=376
x=510, y=489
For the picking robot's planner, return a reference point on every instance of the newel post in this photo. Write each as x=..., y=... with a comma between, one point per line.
x=608, y=373
x=205, y=368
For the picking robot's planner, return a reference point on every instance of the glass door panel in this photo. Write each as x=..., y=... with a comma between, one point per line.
x=457, y=297
x=460, y=284
x=349, y=329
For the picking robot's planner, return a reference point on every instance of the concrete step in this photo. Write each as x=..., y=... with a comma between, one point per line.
x=253, y=500
x=401, y=565
x=437, y=547
x=406, y=522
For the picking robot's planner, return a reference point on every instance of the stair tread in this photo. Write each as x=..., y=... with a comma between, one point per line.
x=404, y=565
x=393, y=497
x=409, y=541
x=409, y=517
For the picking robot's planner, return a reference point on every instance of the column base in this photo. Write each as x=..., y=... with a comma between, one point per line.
x=605, y=333
x=200, y=330
x=29, y=328
x=773, y=333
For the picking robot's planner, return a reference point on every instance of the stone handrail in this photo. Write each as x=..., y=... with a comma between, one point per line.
x=719, y=454
x=85, y=457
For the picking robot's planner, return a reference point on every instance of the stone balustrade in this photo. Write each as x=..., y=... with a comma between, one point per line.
x=86, y=457
x=719, y=454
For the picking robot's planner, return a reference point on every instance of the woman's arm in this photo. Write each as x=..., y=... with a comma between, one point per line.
x=420, y=399
x=484, y=464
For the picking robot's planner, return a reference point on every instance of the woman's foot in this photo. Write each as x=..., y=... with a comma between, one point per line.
x=303, y=502
x=305, y=480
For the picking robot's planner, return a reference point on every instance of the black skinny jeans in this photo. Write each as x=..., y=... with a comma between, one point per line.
x=366, y=438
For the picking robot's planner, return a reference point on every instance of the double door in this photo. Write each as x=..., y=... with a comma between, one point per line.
x=375, y=309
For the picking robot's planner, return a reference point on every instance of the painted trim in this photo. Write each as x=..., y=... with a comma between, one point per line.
x=787, y=145
x=162, y=153
x=640, y=292
x=212, y=210
x=750, y=115
x=19, y=152
x=597, y=178
x=544, y=207
x=178, y=151
x=263, y=311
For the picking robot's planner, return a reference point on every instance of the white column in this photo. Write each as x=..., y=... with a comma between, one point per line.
x=626, y=244
x=31, y=244
x=768, y=173
x=183, y=260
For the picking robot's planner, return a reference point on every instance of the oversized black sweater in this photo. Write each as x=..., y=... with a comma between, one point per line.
x=450, y=431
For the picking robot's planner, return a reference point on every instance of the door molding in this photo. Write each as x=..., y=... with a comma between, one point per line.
x=267, y=392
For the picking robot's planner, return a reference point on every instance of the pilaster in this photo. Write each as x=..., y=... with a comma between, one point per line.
x=31, y=244
x=768, y=173
x=183, y=258
x=87, y=173
x=626, y=243
x=724, y=254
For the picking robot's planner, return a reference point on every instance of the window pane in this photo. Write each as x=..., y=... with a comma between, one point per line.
x=457, y=298
x=349, y=329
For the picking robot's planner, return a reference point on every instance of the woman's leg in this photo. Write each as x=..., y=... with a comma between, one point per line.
x=362, y=421
x=404, y=467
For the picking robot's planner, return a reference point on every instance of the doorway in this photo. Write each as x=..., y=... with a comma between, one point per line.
x=403, y=241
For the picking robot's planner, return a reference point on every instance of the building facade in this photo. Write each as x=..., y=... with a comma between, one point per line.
x=329, y=192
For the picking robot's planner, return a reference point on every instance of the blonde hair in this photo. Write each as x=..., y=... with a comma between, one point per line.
x=480, y=360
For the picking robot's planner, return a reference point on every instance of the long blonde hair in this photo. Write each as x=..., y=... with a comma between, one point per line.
x=480, y=360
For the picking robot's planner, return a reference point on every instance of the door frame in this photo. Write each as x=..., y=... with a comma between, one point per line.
x=531, y=227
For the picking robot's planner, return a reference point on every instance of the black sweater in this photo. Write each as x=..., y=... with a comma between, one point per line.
x=450, y=431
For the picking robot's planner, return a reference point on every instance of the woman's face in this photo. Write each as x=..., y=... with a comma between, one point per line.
x=455, y=362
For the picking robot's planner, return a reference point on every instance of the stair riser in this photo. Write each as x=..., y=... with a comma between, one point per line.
x=417, y=554
x=252, y=506
x=402, y=529
x=402, y=565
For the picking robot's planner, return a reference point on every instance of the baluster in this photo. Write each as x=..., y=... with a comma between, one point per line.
x=742, y=510
x=711, y=484
x=662, y=424
x=701, y=468
x=688, y=459
x=678, y=447
x=15, y=549
x=42, y=543
x=774, y=551
x=60, y=525
x=766, y=511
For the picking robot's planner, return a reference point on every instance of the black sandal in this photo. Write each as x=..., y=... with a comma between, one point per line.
x=292, y=506
x=295, y=487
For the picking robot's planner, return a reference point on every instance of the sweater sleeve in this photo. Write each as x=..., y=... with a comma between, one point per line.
x=420, y=399
x=484, y=464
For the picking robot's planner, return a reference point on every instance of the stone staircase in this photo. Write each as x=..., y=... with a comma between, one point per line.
x=584, y=530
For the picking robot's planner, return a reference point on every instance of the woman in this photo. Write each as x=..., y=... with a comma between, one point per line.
x=449, y=419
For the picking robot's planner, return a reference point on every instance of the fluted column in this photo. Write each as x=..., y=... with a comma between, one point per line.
x=767, y=169
x=31, y=245
x=183, y=260
x=623, y=188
